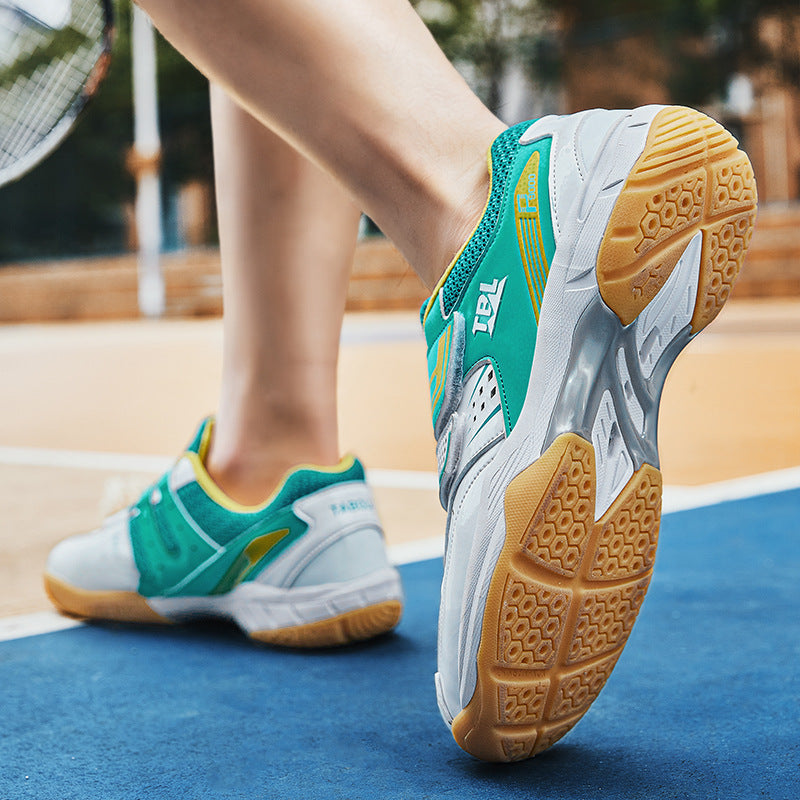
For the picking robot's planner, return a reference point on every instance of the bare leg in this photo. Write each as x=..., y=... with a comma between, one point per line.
x=361, y=88
x=287, y=233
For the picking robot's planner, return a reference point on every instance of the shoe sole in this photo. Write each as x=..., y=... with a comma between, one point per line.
x=115, y=606
x=566, y=587
x=351, y=626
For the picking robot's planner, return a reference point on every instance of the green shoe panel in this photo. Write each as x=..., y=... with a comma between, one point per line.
x=498, y=280
x=185, y=543
x=201, y=438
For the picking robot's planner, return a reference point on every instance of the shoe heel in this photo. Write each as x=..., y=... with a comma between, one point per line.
x=690, y=177
x=352, y=626
x=319, y=615
x=563, y=598
x=364, y=577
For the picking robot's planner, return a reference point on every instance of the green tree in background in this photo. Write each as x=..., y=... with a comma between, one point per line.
x=76, y=202
x=704, y=41
x=487, y=34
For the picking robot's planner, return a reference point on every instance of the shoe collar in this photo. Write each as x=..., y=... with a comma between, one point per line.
x=190, y=467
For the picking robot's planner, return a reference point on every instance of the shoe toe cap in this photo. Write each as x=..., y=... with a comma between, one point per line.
x=98, y=561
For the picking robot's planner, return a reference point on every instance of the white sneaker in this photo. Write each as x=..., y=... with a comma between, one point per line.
x=308, y=568
x=610, y=239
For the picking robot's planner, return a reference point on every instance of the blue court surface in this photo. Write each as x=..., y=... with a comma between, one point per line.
x=704, y=703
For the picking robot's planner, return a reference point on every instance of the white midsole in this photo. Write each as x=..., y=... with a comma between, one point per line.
x=259, y=607
x=571, y=286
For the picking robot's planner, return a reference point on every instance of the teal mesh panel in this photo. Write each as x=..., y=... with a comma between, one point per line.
x=223, y=525
x=504, y=148
x=305, y=481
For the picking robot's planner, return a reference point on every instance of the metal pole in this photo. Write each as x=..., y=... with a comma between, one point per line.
x=144, y=162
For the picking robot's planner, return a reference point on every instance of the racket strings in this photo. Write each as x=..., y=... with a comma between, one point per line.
x=43, y=74
x=19, y=39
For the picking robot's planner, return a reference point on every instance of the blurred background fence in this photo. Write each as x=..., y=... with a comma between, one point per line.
x=68, y=230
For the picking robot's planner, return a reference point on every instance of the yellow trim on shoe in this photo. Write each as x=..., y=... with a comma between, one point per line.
x=221, y=499
x=450, y=266
x=205, y=440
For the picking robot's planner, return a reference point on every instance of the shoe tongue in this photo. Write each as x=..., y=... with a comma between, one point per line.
x=202, y=437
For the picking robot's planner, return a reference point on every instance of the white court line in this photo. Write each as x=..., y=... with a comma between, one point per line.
x=682, y=498
x=83, y=459
x=420, y=550
x=676, y=498
x=33, y=624
x=134, y=462
x=403, y=479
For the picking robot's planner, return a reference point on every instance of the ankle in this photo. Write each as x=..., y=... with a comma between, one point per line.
x=250, y=478
x=458, y=207
x=248, y=483
x=460, y=218
x=248, y=463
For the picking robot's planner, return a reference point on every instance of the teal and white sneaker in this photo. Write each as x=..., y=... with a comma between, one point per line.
x=308, y=568
x=609, y=240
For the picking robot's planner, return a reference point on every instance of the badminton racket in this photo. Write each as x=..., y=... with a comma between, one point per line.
x=53, y=56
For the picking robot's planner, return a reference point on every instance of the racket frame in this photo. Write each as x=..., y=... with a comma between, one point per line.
x=61, y=129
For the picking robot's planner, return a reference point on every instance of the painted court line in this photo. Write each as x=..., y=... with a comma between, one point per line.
x=682, y=498
x=83, y=459
x=676, y=498
x=33, y=624
x=403, y=479
x=420, y=550
x=134, y=462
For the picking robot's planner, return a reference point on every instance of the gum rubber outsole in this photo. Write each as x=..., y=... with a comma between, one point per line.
x=352, y=626
x=690, y=177
x=563, y=598
x=84, y=604
x=566, y=589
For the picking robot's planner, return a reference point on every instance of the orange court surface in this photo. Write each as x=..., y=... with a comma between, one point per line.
x=93, y=411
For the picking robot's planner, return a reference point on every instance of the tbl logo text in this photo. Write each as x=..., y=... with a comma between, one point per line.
x=488, y=305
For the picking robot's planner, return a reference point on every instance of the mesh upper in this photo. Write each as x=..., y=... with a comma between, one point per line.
x=504, y=149
x=223, y=525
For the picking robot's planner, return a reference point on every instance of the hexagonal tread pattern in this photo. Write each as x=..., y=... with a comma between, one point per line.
x=578, y=688
x=626, y=546
x=551, y=635
x=605, y=619
x=564, y=519
x=690, y=177
x=521, y=703
x=532, y=622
